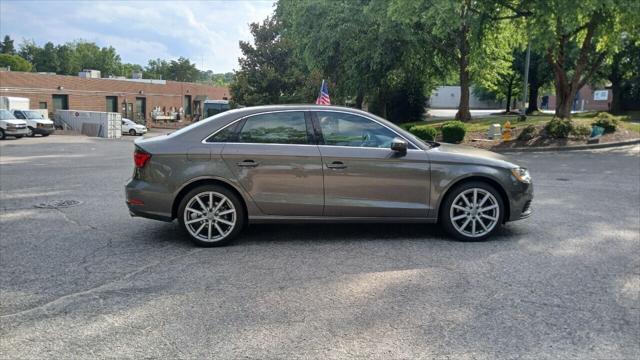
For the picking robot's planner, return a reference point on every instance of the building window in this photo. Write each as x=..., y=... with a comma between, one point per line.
x=42, y=105
x=60, y=102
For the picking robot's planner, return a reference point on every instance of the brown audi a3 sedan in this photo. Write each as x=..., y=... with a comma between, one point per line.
x=314, y=163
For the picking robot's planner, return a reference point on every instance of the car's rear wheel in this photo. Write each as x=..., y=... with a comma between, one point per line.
x=18, y=136
x=211, y=215
x=2, y=136
x=472, y=211
x=132, y=132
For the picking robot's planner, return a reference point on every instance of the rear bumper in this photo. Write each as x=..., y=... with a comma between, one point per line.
x=148, y=201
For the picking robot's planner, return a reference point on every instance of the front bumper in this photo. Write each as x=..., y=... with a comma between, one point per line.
x=520, y=202
x=43, y=131
x=14, y=131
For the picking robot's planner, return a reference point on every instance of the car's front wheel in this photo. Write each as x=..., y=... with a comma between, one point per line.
x=472, y=211
x=211, y=215
x=132, y=132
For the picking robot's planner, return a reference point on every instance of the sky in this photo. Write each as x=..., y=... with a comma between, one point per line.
x=206, y=32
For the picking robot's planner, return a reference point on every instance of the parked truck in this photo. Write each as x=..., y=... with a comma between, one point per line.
x=10, y=126
x=36, y=120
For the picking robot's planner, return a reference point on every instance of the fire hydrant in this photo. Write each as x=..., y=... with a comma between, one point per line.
x=506, y=131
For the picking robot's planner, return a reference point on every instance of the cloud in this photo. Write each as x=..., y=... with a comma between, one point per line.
x=206, y=32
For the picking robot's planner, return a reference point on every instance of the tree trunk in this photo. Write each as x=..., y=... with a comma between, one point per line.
x=616, y=98
x=359, y=100
x=463, y=113
x=533, y=98
x=564, y=102
x=509, y=93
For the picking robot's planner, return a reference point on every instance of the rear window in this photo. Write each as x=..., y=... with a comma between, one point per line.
x=275, y=128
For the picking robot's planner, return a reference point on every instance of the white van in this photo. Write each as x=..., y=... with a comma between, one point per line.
x=10, y=126
x=37, y=123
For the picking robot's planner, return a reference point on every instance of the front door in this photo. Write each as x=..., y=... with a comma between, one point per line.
x=277, y=162
x=363, y=177
x=141, y=109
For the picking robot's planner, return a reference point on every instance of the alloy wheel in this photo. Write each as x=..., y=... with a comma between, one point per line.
x=474, y=212
x=210, y=216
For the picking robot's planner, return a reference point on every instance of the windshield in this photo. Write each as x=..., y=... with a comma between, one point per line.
x=6, y=115
x=33, y=115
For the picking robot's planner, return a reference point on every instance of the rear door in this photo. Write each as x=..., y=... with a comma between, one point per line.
x=276, y=160
x=363, y=177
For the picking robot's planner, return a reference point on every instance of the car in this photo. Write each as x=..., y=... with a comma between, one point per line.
x=318, y=163
x=37, y=123
x=10, y=126
x=132, y=128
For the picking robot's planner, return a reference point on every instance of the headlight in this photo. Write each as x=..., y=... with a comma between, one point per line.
x=522, y=175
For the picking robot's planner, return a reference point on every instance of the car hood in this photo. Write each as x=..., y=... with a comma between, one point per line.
x=15, y=122
x=469, y=154
x=43, y=121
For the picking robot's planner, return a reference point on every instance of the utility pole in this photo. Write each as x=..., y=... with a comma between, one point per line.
x=526, y=79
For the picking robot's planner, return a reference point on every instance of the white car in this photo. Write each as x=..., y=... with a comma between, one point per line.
x=132, y=128
x=10, y=126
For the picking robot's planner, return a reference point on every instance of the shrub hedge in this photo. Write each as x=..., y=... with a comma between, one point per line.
x=424, y=132
x=559, y=128
x=528, y=133
x=606, y=121
x=453, y=131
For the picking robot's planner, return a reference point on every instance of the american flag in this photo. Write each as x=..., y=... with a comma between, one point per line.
x=323, y=96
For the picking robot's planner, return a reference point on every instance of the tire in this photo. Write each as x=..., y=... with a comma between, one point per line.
x=132, y=132
x=2, y=136
x=19, y=136
x=205, y=231
x=45, y=135
x=30, y=132
x=463, y=220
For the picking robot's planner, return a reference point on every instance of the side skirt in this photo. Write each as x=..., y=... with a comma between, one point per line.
x=335, y=219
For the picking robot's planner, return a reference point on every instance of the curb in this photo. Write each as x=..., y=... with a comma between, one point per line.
x=569, y=148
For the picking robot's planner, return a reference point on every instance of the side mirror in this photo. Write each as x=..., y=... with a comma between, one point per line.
x=398, y=145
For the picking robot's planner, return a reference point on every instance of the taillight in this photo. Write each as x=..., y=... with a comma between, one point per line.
x=141, y=158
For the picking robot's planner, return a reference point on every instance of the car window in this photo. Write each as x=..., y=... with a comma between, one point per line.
x=18, y=115
x=341, y=129
x=6, y=115
x=227, y=134
x=275, y=128
x=33, y=114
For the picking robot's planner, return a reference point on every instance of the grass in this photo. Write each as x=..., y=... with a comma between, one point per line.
x=482, y=124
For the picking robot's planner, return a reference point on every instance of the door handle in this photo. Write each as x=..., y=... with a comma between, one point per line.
x=247, y=163
x=337, y=165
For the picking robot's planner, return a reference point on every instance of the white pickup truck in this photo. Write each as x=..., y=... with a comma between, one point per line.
x=10, y=126
x=36, y=122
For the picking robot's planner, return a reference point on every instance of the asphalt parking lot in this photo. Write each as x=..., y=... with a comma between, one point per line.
x=90, y=281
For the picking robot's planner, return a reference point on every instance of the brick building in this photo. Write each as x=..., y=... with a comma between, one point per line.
x=587, y=98
x=133, y=98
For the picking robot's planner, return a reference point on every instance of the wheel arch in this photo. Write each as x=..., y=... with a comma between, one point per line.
x=206, y=181
x=479, y=178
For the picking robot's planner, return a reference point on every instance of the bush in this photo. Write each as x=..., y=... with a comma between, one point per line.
x=528, y=133
x=453, y=131
x=581, y=131
x=424, y=132
x=559, y=128
x=606, y=121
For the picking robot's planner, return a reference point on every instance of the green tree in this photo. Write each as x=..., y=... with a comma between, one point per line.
x=364, y=54
x=183, y=70
x=157, y=69
x=623, y=72
x=46, y=59
x=14, y=62
x=589, y=28
x=6, y=47
x=472, y=38
x=270, y=73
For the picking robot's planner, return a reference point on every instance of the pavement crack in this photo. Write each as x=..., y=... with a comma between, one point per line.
x=69, y=297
